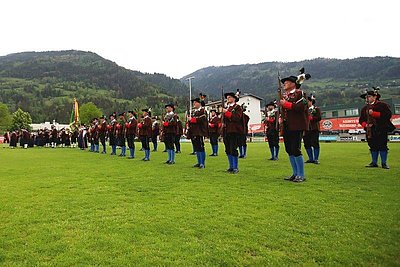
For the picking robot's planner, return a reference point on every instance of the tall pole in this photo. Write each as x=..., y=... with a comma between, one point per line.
x=190, y=91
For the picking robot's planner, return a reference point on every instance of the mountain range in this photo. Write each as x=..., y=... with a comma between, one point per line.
x=333, y=81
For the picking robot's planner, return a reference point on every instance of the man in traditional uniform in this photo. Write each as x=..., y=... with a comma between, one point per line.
x=198, y=124
x=295, y=122
x=121, y=134
x=53, y=136
x=95, y=135
x=213, y=131
x=40, y=138
x=46, y=136
x=232, y=131
x=145, y=130
x=102, y=129
x=74, y=134
x=243, y=137
x=112, y=129
x=13, y=139
x=25, y=136
x=311, y=135
x=169, y=130
x=179, y=133
x=67, y=137
x=131, y=129
x=272, y=130
x=155, y=132
x=90, y=134
x=375, y=118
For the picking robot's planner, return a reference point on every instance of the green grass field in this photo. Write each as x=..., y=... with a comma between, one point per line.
x=67, y=207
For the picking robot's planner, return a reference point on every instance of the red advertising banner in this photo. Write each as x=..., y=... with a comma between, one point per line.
x=350, y=123
x=334, y=124
x=256, y=128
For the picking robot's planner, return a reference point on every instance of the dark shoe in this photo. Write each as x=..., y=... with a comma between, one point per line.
x=234, y=171
x=291, y=178
x=193, y=153
x=275, y=158
x=167, y=162
x=309, y=161
x=298, y=179
x=196, y=165
x=177, y=152
x=146, y=159
x=316, y=162
x=201, y=166
x=385, y=166
x=229, y=170
x=372, y=165
x=271, y=159
x=171, y=163
x=212, y=155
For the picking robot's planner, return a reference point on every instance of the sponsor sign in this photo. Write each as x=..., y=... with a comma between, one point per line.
x=350, y=123
x=394, y=138
x=256, y=128
x=347, y=138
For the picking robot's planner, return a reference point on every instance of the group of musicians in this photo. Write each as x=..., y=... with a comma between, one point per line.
x=295, y=117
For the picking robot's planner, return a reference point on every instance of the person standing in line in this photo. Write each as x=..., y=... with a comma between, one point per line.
x=311, y=135
x=243, y=137
x=145, y=130
x=295, y=122
x=375, y=118
x=155, y=132
x=130, y=132
x=213, y=131
x=112, y=133
x=179, y=133
x=272, y=130
x=198, y=124
x=121, y=137
x=102, y=129
x=170, y=129
x=232, y=130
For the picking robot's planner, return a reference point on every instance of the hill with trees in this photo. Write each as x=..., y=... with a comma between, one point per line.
x=45, y=83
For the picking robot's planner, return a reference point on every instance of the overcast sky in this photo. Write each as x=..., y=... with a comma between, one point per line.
x=178, y=37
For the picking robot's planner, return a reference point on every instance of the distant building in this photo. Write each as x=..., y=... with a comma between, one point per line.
x=38, y=126
x=252, y=103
